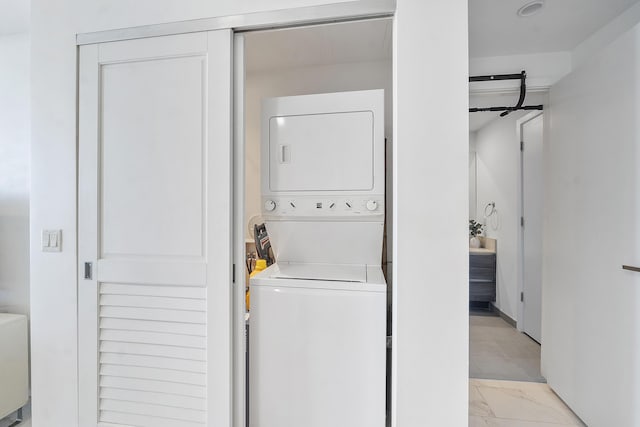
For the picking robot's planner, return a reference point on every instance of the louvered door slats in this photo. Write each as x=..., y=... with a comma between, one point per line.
x=152, y=355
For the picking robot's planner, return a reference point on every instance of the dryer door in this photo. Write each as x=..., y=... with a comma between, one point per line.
x=321, y=152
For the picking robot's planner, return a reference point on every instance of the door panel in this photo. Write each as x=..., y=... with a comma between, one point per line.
x=154, y=221
x=532, y=207
x=151, y=169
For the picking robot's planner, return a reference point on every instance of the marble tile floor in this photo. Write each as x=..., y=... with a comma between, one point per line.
x=499, y=351
x=492, y=403
x=497, y=403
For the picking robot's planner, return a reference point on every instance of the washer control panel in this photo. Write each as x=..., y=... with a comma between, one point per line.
x=323, y=206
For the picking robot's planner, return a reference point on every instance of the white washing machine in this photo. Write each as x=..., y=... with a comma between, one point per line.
x=318, y=317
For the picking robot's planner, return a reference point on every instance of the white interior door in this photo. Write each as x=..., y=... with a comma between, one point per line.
x=532, y=208
x=154, y=222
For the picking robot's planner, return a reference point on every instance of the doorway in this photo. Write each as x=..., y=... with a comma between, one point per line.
x=306, y=60
x=498, y=348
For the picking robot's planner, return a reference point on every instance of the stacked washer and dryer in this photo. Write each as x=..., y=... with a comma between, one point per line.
x=318, y=316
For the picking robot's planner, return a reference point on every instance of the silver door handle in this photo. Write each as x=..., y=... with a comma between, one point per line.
x=88, y=270
x=631, y=268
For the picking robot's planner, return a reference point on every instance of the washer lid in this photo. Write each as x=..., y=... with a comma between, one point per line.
x=328, y=272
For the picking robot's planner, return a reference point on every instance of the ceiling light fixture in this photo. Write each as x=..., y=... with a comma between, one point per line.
x=530, y=8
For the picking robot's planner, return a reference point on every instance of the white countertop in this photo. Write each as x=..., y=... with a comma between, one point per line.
x=481, y=251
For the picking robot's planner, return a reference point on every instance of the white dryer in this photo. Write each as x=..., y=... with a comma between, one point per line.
x=318, y=317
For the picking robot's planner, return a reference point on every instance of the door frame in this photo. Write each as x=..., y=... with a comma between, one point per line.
x=293, y=17
x=519, y=125
x=520, y=241
x=240, y=381
x=240, y=408
x=298, y=17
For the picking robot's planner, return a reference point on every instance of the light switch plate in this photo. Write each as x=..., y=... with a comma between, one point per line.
x=51, y=240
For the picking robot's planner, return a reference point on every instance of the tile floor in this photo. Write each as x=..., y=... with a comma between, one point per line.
x=492, y=403
x=506, y=388
x=498, y=351
x=496, y=403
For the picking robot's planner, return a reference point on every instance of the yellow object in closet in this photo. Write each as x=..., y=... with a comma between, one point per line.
x=261, y=264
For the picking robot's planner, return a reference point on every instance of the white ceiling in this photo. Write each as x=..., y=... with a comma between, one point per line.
x=321, y=45
x=14, y=16
x=495, y=28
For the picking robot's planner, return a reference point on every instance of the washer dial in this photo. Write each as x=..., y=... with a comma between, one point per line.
x=269, y=205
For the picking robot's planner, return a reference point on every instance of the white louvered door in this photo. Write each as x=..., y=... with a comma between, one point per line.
x=154, y=222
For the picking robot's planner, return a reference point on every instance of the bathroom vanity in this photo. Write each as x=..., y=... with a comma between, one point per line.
x=482, y=272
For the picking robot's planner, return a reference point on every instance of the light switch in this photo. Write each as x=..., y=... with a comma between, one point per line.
x=51, y=240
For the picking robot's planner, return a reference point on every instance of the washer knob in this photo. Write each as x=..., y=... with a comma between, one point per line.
x=269, y=205
x=372, y=205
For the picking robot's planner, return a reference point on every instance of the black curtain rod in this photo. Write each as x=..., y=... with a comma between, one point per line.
x=522, y=76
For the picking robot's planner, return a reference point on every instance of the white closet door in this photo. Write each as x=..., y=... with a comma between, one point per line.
x=532, y=211
x=154, y=222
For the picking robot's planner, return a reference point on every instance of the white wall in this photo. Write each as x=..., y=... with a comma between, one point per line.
x=605, y=35
x=543, y=70
x=431, y=290
x=432, y=356
x=591, y=308
x=14, y=173
x=473, y=173
x=498, y=180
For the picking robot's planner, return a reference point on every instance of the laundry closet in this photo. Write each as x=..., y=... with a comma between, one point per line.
x=311, y=60
x=317, y=144
x=170, y=189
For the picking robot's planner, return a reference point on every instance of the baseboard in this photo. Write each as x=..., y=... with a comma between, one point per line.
x=504, y=316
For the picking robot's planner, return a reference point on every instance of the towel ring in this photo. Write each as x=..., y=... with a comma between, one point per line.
x=492, y=209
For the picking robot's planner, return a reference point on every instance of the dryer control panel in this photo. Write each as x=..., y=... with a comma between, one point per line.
x=343, y=207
